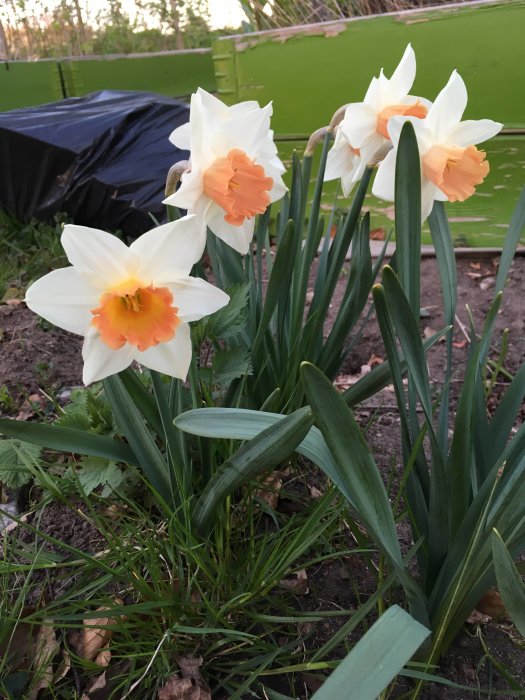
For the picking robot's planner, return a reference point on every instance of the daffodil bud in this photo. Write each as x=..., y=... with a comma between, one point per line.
x=315, y=139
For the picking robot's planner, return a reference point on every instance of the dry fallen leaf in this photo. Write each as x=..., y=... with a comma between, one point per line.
x=190, y=686
x=98, y=683
x=44, y=649
x=269, y=490
x=95, y=636
x=297, y=584
x=491, y=604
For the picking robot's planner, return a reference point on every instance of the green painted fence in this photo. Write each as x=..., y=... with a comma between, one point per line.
x=23, y=84
x=309, y=72
x=172, y=73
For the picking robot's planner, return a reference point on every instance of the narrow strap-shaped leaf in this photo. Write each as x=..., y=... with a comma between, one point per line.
x=446, y=261
x=349, y=449
x=337, y=254
x=408, y=215
x=418, y=481
x=132, y=424
x=311, y=243
x=407, y=328
x=380, y=376
x=244, y=424
x=505, y=415
x=277, y=285
x=178, y=477
x=354, y=299
x=376, y=659
x=263, y=452
x=510, y=584
x=460, y=462
x=142, y=397
x=69, y=440
x=512, y=239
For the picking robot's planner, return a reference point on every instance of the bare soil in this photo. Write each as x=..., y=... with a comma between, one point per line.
x=36, y=358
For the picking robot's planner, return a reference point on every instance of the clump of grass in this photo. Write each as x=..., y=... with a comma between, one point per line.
x=27, y=251
x=219, y=599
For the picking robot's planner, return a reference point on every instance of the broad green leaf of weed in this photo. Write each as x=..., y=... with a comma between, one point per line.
x=95, y=471
x=230, y=364
x=14, y=458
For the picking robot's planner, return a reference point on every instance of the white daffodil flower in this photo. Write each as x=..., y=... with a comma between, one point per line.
x=364, y=125
x=451, y=165
x=342, y=162
x=129, y=303
x=234, y=170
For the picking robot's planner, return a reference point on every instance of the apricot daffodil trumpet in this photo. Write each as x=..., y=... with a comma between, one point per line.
x=129, y=303
x=234, y=172
x=364, y=125
x=451, y=165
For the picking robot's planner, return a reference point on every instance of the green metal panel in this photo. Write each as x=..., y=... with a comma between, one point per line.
x=481, y=221
x=310, y=71
x=23, y=84
x=174, y=73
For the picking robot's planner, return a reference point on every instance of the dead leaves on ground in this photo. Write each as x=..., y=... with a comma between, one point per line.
x=189, y=685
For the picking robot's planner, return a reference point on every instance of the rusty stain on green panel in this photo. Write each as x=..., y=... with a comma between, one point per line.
x=29, y=83
x=480, y=221
x=173, y=73
x=310, y=71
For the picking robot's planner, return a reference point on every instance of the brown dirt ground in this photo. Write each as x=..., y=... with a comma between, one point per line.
x=35, y=357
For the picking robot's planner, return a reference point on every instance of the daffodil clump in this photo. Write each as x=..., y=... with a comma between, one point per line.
x=135, y=303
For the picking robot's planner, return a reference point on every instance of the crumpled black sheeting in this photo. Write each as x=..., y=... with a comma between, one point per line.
x=102, y=159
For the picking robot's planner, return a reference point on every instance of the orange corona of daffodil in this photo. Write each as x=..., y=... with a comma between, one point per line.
x=129, y=303
x=234, y=171
x=451, y=165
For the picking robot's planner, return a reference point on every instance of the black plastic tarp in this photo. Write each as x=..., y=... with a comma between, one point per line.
x=102, y=159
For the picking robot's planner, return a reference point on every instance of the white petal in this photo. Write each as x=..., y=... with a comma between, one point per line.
x=447, y=110
x=172, y=358
x=211, y=104
x=428, y=195
x=100, y=361
x=384, y=183
x=246, y=131
x=403, y=77
x=65, y=298
x=103, y=258
x=180, y=137
x=360, y=121
x=473, y=131
x=173, y=247
x=238, y=237
x=423, y=135
x=341, y=158
x=190, y=189
x=195, y=298
x=278, y=190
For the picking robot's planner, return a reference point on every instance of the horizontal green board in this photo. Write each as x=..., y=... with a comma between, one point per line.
x=175, y=74
x=310, y=71
x=23, y=84
x=480, y=221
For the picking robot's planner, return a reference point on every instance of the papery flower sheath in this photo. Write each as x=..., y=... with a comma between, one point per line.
x=451, y=165
x=129, y=303
x=364, y=125
x=234, y=171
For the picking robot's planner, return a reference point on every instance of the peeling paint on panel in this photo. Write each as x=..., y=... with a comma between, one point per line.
x=280, y=36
